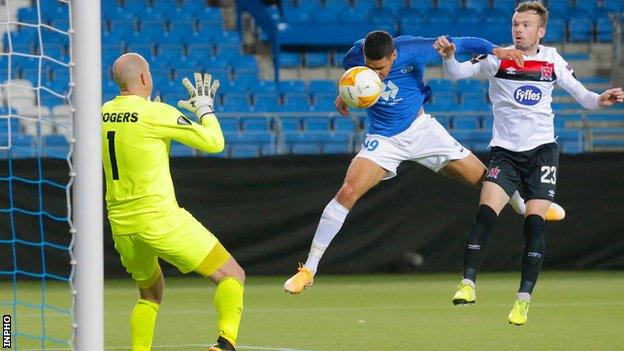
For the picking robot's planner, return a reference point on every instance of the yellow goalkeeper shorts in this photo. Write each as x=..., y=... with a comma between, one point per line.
x=191, y=247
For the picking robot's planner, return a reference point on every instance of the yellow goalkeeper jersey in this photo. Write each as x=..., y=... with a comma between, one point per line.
x=136, y=135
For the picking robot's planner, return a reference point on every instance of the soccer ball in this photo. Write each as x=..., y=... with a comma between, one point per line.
x=360, y=87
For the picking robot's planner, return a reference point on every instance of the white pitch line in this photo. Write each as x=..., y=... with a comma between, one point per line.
x=356, y=308
x=240, y=347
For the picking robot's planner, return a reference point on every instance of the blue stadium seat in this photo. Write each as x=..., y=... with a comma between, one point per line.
x=50, y=12
x=588, y=8
x=559, y=106
x=119, y=31
x=256, y=124
x=316, y=59
x=605, y=117
x=167, y=6
x=193, y=10
x=207, y=35
x=266, y=102
x=555, y=30
x=581, y=29
x=338, y=57
x=131, y=9
x=56, y=146
x=229, y=125
x=6, y=123
x=316, y=124
x=235, y=102
x=304, y=148
x=337, y=148
x=324, y=102
x=364, y=5
x=469, y=97
x=176, y=38
x=613, y=5
x=289, y=59
x=395, y=6
x=22, y=41
x=487, y=122
x=296, y=15
x=296, y=101
x=28, y=15
x=336, y=4
x=476, y=105
x=338, y=143
x=505, y=6
x=226, y=52
x=312, y=6
x=560, y=7
x=478, y=5
x=445, y=98
x=450, y=5
x=571, y=141
x=465, y=123
x=441, y=85
x=264, y=141
x=382, y=14
x=244, y=151
x=469, y=86
x=260, y=86
x=322, y=86
x=293, y=85
x=604, y=30
x=344, y=125
x=109, y=6
x=245, y=79
x=244, y=65
x=290, y=125
x=233, y=86
x=328, y=15
x=351, y=15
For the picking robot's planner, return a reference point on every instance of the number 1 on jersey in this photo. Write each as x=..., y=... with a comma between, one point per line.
x=110, y=136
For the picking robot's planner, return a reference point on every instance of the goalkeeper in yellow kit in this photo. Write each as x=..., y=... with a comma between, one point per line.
x=145, y=218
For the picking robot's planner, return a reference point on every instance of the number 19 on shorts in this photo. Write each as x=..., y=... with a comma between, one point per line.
x=371, y=145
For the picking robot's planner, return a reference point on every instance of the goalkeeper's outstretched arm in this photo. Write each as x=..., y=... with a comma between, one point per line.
x=205, y=136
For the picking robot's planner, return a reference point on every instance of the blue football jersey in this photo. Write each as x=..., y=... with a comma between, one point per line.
x=403, y=89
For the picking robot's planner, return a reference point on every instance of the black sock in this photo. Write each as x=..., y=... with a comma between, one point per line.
x=533, y=255
x=478, y=238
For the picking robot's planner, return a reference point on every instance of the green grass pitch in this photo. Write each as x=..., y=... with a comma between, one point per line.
x=570, y=311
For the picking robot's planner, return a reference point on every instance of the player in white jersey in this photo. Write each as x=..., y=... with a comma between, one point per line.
x=399, y=130
x=524, y=154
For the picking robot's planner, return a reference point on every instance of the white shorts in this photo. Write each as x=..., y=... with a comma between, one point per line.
x=426, y=141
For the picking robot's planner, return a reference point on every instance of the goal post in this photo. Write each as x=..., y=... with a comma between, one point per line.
x=87, y=197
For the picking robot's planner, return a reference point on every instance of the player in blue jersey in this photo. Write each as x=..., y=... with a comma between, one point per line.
x=399, y=130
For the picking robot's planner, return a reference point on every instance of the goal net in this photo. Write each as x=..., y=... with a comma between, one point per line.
x=36, y=174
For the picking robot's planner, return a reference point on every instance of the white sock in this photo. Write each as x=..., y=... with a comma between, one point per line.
x=331, y=221
x=517, y=202
x=523, y=296
x=469, y=282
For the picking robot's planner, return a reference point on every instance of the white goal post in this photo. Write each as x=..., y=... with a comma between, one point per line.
x=87, y=196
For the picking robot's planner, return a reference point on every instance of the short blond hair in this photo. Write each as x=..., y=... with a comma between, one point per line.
x=536, y=6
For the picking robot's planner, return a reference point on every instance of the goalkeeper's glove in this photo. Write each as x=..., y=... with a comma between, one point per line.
x=201, y=96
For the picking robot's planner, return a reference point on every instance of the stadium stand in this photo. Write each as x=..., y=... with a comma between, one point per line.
x=262, y=117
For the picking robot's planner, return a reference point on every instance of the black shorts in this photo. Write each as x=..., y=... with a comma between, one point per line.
x=533, y=173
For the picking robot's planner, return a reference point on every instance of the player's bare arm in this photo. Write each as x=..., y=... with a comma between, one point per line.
x=341, y=106
x=611, y=97
x=446, y=49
